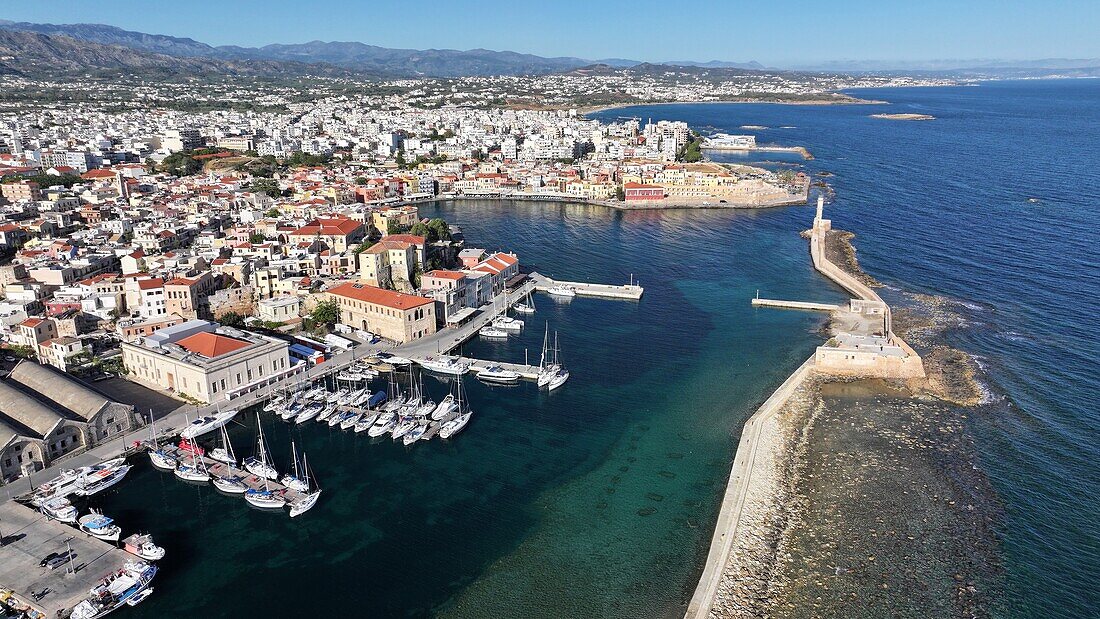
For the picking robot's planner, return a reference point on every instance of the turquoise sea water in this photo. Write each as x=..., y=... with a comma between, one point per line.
x=599, y=500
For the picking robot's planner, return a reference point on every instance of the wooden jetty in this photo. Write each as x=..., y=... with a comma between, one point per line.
x=222, y=469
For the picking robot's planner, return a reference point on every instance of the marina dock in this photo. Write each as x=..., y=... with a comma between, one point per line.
x=28, y=538
x=631, y=291
x=223, y=470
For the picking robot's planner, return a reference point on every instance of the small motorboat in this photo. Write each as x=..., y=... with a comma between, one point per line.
x=100, y=527
x=393, y=359
x=498, y=374
x=385, y=424
x=493, y=333
x=445, y=364
x=139, y=597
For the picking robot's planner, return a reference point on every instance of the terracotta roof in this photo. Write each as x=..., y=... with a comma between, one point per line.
x=378, y=296
x=415, y=239
x=340, y=226
x=94, y=174
x=149, y=284
x=211, y=345
x=442, y=274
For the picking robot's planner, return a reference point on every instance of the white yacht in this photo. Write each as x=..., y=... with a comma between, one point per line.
x=405, y=426
x=264, y=499
x=260, y=464
x=100, y=527
x=508, y=323
x=349, y=420
x=445, y=364
x=562, y=290
x=162, y=459
x=493, y=333
x=393, y=359
x=445, y=408
x=312, y=492
x=102, y=476
x=294, y=480
x=224, y=453
x=498, y=374
x=527, y=306
x=310, y=413
x=365, y=422
x=207, y=424
x=230, y=485
x=195, y=471
x=454, y=426
x=385, y=424
x=557, y=379
x=326, y=412
x=415, y=433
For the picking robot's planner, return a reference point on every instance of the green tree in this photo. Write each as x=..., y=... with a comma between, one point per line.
x=180, y=164
x=361, y=180
x=256, y=238
x=327, y=312
x=439, y=229
x=273, y=213
x=232, y=319
x=400, y=158
x=364, y=246
x=394, y=228
x=267, y=186
x=420, y=229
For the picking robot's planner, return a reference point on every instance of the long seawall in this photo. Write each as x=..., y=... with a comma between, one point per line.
x=733, y=503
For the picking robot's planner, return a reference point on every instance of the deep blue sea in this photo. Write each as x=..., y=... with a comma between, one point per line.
x=945, y=207
x=600, y=499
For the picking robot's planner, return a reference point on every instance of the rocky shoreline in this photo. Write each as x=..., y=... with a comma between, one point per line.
x=865, y=499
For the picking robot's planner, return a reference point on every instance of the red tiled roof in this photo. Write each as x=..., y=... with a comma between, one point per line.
x=442, y=274
x=415, y=239
x=149, y=284
x=339, y=226
x=211, y=345
x=378, y=296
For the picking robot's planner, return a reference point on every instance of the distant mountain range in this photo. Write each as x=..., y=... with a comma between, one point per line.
x=354, y=57
x=37, y=49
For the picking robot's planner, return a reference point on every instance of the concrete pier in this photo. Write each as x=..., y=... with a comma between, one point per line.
x=631, y=292
x=29, y=537
x=802, y=305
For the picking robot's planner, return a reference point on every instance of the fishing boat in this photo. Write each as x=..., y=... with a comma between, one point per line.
x=141, y=545
x=224, y=453
x=445, y=364
x=127, y=585
x=64, y=484
x=102, y=477
x=100, y=527
x=498, y=374
x=493, y=333
x=415, y=433
x=260, y=464
x=508, y=323
x=312, y=492
x=385, y=424
x=60, y=509
x=445, y=407
x=205, y=425
x=562, y=290
x=294, y=480
x=231, y=484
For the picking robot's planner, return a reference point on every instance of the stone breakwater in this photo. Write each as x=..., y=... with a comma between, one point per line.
x=858, y=500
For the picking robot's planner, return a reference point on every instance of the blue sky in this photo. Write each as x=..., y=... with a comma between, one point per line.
x=787, y=33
